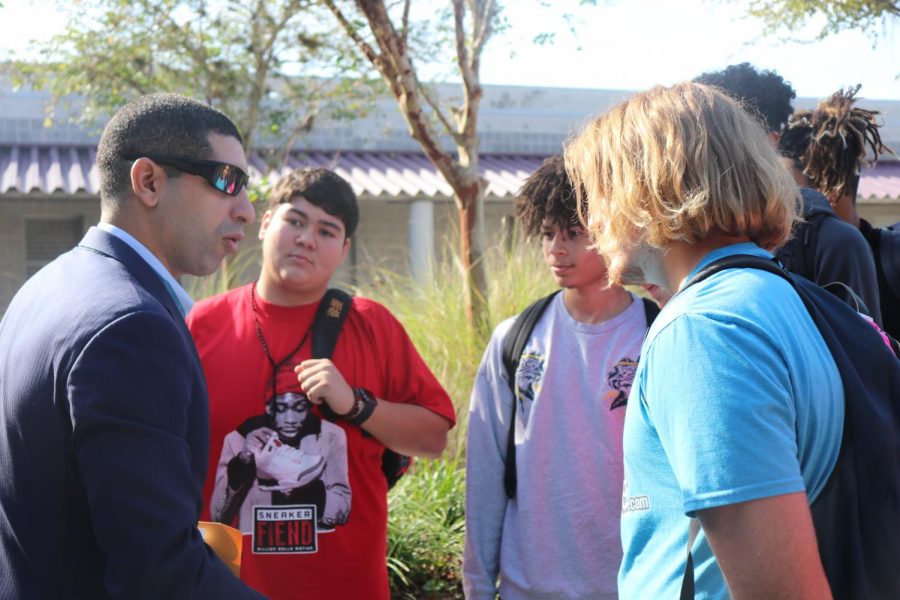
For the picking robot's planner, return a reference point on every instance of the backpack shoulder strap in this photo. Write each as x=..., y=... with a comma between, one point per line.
x=889, y=256
x=811, y=241
x=513, y=344
x=329, y=319
x=799, y=254
x=326, y=329
x=518, y=335
x=651, y=310
x=738, y=261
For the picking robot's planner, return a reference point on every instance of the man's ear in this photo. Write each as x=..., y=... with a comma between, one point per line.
x=147, y=181
x=346, y=249
x=264, y=223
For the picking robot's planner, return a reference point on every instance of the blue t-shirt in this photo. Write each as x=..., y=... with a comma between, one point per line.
x=736, y=398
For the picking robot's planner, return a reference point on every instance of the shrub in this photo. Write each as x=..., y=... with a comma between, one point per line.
x=426, y=514
x=434, y=316
x=426, y=529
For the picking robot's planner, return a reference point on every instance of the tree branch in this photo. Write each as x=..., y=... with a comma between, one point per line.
x=459, y=13
x=404, y=30
x=362, y=44
x=484, y=28
x=439, y=113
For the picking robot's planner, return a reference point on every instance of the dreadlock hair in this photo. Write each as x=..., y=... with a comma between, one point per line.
x=829, y=143
x=546, y=194
x=794, y=139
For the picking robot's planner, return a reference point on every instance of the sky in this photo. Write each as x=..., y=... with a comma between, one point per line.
x=626, y=45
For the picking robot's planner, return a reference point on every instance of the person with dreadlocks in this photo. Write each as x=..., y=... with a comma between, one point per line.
x=845, y=261
x=826, y=148
x=557, y=534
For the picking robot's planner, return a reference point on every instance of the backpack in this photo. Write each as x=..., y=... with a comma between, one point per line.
x=857, y=513
x=889, y=256
x=798, y=255
x=888, y=264
x=513, y=345
x=326, y=329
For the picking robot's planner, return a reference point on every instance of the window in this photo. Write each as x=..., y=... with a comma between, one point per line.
x=45, y=239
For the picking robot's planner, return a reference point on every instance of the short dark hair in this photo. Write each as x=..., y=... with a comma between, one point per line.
x=323, y=188
x=156, y=124
x=764, y=94
x=547, y=194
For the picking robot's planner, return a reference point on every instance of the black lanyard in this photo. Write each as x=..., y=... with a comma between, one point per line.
x=262, y=340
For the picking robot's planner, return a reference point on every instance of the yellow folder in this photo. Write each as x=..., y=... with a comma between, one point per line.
x=225, y=541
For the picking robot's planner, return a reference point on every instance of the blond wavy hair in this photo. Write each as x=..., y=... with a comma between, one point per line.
x=677, y=164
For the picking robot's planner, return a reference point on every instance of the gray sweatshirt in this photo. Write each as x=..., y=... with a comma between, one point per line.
x=559, y=537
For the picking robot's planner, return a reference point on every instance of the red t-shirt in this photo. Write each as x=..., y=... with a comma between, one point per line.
x=286, y=553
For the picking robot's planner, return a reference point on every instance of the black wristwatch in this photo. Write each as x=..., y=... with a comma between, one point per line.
x=363, y=406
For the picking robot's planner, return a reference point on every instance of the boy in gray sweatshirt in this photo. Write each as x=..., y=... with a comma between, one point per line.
x=558, y=536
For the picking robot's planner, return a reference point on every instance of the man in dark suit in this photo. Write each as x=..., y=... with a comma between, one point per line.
x=104, y=430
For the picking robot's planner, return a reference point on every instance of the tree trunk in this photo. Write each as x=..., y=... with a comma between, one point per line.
x=469, y=203
x=390, y=56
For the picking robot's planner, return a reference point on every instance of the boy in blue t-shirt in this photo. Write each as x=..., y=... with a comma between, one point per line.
x=736, y=412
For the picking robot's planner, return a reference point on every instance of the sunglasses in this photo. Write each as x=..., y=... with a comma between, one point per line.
x=222, y=176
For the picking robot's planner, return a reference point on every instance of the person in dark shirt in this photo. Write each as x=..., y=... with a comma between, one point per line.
x=828, y=145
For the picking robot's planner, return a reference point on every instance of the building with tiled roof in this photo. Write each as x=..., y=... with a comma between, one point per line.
x=49, y=182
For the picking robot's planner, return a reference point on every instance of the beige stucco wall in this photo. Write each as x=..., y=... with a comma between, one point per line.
x=14, y=211
x=880, y=212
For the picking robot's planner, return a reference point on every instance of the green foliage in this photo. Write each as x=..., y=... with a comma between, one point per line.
x=791, y=15
x=245, y=58
x=435, y=319
x=426, y=530
x=426, y=509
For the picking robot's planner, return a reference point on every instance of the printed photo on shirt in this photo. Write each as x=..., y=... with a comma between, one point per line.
x=282, y=476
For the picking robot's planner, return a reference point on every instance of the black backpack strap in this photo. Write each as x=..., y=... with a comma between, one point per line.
x=889, y=256
x=651, y=310
x=811, y=241
x=513, y=345
x=799, y=254
x=329, y=319
x=739, y=261
x=687, y=582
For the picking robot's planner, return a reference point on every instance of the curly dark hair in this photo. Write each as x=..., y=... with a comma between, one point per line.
x=547, y=194
x=829, y=143
x=763, y=93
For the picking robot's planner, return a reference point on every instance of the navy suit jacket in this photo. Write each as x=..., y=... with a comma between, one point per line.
x=104, y=436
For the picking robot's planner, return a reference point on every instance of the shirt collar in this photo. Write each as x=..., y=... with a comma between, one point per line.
x=182, y=299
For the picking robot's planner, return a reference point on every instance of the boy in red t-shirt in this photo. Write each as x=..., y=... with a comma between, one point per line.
x=309, y=495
